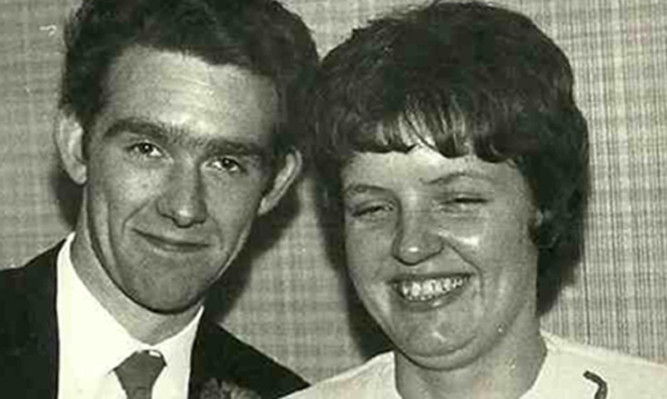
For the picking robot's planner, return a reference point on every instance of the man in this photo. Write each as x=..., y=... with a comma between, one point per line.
x=174, y=120
x=450, y=138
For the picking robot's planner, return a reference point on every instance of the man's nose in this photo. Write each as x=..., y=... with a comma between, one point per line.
x=417, y=239
x=184, y=199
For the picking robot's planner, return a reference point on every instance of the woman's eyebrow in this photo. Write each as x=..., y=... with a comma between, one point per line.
x=360, y=189
x=453, y=176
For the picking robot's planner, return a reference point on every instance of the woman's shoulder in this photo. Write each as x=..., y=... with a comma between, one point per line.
x=567, y=350
x=373, y=379
x=575, y=370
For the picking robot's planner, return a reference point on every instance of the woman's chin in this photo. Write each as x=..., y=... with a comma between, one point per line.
x=439, y=353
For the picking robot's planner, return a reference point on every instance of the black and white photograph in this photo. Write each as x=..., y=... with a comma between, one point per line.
x=304, y=199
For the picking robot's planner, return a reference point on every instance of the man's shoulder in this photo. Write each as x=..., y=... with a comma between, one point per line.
x=36, y=270
x=29, y=284
x=219, y=354
x=373, y=379
x=571, y=365
x=28, y=333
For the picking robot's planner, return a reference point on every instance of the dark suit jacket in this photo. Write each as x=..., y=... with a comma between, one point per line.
x=29, y=343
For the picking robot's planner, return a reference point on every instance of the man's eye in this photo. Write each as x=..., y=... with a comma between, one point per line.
x=145, y=149
x=228, y=164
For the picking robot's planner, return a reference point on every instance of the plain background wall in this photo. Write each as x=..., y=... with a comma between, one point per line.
x=289, y=298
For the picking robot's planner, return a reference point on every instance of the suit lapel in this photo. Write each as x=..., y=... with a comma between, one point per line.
x=219, y=356
x=205, y=365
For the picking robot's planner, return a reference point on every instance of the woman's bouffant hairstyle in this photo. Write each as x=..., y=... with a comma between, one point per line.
x=465, y=78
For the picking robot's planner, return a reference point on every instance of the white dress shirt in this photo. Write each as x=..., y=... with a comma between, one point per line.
x=93, y=343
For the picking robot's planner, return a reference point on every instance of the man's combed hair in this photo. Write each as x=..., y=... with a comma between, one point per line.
x=258, y=35
x=466, y=78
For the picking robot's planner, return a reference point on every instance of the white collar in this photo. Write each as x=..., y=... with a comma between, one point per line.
x=92, y=342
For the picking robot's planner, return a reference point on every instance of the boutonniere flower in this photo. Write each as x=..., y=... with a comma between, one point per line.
x=226, y=390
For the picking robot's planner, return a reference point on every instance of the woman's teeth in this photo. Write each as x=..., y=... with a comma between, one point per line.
x=425, y=290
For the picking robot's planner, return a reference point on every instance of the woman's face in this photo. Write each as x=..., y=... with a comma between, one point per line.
x=440, y=252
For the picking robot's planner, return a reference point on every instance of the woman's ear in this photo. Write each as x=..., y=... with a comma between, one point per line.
x=542, y=229
x=539, y=219
x=290, y=167
x=69, y=141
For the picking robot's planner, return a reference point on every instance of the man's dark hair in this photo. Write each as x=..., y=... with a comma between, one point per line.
x=258, y=35
x=466, y=78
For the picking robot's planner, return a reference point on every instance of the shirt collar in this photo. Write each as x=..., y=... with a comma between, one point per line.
x=93, y=343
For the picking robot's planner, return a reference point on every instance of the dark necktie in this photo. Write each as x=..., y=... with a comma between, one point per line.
x=138, y=373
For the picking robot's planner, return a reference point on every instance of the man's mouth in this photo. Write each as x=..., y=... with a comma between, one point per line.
x=171, y=244
x=424, y=290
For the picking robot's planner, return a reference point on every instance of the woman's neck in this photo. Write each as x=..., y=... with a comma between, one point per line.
x=505, y=371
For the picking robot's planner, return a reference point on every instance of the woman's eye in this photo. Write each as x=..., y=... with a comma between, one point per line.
x=463, y=203
x=469, y=200
x=371, y=211
x=145, y=149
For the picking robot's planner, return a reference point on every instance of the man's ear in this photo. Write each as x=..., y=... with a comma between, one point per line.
x=290, y=167
x=69, y=141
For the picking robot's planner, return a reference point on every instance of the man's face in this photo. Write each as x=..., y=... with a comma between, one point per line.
x=439, y=251
x=177, y=168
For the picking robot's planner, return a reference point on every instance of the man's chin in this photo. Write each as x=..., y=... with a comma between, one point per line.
x=166, y=305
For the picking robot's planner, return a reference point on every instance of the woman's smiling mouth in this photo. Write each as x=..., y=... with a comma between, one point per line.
x=421, y=290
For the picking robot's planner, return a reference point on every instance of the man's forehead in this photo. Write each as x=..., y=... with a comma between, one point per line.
x=164, y=67
x=181, y=92
x=138, y=56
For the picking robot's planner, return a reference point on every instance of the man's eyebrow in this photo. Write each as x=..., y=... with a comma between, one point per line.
x=171, y=134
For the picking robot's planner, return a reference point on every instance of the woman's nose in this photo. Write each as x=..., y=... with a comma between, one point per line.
x=416, y=239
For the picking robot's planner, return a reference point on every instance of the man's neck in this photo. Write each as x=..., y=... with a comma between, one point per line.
x=142, y=323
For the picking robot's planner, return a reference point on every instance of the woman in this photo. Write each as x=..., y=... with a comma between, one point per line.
x=450, y=138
